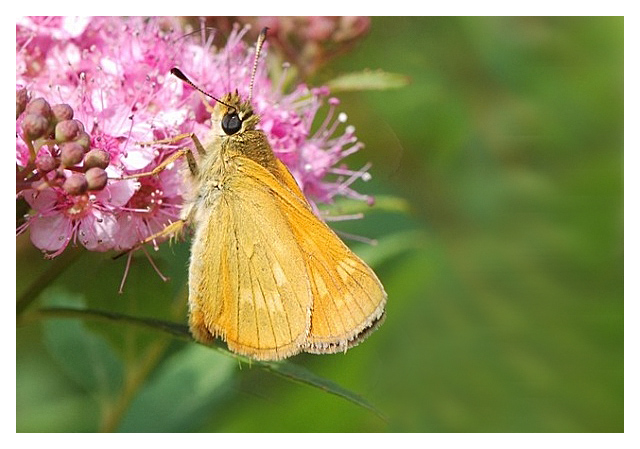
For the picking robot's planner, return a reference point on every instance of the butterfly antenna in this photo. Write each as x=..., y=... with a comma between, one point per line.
x=261, y=39
x=178, y=74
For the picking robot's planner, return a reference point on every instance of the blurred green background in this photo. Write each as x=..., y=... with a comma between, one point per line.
x=505, y=274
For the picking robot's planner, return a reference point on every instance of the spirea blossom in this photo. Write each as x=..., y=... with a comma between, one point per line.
x=89, y=91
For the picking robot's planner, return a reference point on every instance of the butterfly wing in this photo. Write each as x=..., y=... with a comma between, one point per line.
x=348, y=298
x=247, y=276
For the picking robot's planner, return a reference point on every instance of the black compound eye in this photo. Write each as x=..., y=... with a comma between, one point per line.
x=231, y=123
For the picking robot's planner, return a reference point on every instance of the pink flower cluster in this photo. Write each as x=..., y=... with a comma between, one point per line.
x=114, y=75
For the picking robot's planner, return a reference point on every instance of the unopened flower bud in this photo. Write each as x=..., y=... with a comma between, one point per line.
x=68, y=130
x=71, y=153
x=22, y=98
x=97, y=158
x=96, y=178
x=34, y=126
x=39, y=106
x=76, y=184
x=62, y=112
x=84, y=140
x=45, y=162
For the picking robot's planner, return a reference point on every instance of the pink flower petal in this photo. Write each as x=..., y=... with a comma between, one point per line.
x=50, y=233
x=96, y=231
x=128, y=232
x=117, y=193
x=41, y=200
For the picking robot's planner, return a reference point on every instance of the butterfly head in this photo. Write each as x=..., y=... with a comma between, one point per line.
x=237, y=115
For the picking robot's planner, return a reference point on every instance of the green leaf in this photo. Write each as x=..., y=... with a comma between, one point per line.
x=383, y=203
x=392, y=245
x=302, y=375
x=368, y=80
x=84, y=356
x=186, y=388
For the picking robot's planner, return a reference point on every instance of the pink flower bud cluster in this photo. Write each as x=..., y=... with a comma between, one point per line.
x=63, y=155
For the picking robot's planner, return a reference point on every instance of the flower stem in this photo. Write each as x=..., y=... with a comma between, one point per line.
x=134, y=380
x=32, y=150
x=137, y=376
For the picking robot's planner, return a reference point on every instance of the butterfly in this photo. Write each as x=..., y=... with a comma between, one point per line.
x=266, y=275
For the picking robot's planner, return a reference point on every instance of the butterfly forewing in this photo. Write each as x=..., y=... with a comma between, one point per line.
x=348, y=298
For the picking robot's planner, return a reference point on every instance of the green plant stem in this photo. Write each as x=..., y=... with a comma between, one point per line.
x=134, y=380
x=177, y=330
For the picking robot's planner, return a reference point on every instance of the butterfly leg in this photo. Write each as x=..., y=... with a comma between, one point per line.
x=164, y=164
x=187, y=152
x=173, y=229
x=178, y=138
